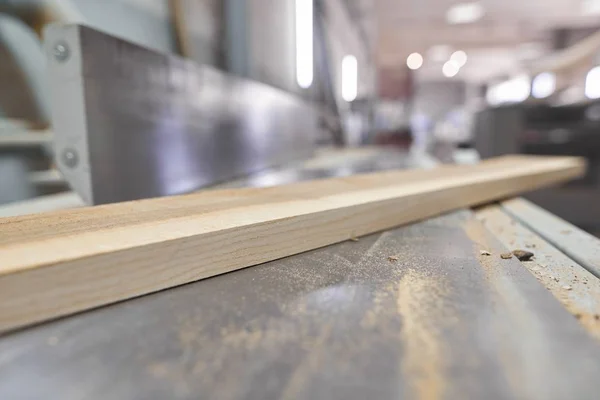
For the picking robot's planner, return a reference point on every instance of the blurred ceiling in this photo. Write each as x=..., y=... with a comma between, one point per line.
x=508, y=33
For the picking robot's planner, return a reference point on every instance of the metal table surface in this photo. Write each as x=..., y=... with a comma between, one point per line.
x=415, y=312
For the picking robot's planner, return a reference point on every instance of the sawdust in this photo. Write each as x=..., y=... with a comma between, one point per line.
x=158, y=370
x=417, y=302
x=494, y=271
x=52, y=341
x=549, y=280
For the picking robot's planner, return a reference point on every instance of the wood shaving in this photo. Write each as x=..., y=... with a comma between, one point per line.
x=523, y=255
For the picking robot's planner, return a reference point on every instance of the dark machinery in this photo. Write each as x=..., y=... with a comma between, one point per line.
x=544, y=129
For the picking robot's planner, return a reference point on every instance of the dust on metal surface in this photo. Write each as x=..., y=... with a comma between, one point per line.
x=574, y=242
x=575, y=287
x=441, y=322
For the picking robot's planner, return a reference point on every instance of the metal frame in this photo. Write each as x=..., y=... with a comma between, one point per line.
x=133, y=123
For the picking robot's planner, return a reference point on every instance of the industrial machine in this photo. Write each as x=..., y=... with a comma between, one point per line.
x=545, y=129
x=422, y=311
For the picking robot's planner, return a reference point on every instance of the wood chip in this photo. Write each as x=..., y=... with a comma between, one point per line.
x=506, y=256
x=485, y=253
x=392, y=258
x=567, y=287
x=523, y=255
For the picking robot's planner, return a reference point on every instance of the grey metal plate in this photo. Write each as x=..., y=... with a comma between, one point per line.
x=574, y=242
x=341, y=322
x=145, y=124
x=572, y=285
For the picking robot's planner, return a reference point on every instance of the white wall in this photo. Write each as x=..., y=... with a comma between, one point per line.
x=272, y=42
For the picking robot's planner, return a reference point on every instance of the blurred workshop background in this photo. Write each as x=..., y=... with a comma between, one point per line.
x=457, y=81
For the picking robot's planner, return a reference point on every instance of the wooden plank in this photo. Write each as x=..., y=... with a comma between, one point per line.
x=59, y=263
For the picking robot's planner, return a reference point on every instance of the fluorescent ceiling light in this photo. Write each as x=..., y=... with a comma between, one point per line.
x=465, y=13
x=592, y=84
x=304, y=43
x=450, y=69
x=349, y=78
x=414, y=61
x=543, y=85
x=511, y=91
x=459, y=57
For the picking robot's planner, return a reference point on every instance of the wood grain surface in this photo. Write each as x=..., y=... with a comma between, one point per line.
x=59, y=263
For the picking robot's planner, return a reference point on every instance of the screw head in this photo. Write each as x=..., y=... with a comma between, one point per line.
x=70, y=158
x=61, y=51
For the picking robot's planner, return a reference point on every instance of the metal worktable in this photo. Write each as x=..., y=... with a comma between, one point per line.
x=437, y=320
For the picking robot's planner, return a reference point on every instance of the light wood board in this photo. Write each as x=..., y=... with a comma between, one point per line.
x=63, y=262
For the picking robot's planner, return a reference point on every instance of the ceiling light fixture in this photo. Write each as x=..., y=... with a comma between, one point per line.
x=414, y=61
x=304, y=43
x=465, y=13
x=543, y=85
x=349, y=78
x=459, y=57
x=450, y=69
x=514, y=90
x=592, y=83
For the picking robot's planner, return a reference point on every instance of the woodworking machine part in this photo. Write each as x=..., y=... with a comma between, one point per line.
x=133, y=123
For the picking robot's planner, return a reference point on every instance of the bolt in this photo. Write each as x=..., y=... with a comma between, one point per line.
x=70, y=157
x=61, y=52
